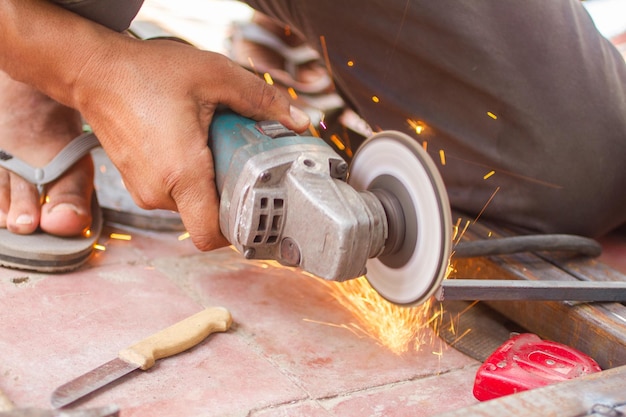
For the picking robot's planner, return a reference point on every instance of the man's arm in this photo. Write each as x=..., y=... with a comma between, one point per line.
x=149, y=102
x=46, y=46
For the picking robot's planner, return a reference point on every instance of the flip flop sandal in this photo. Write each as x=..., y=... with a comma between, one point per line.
x=292, y=56
x=117, y=204
x=40, y=251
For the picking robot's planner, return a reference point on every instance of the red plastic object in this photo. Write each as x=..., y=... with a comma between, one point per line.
x=525, y=362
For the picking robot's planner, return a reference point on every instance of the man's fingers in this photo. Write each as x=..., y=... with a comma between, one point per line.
x=199, y=209
x=252, y=97
x=197, y=202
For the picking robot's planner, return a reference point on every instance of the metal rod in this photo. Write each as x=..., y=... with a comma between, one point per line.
x=494, y=289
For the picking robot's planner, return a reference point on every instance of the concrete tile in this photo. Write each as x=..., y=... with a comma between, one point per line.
x=220, y=377
x=307, y=408
x=55, y=327
x=422, y=397
x=297, y=325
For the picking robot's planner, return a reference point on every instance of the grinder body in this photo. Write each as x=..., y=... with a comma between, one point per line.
x=292, y=199
x=284, y=197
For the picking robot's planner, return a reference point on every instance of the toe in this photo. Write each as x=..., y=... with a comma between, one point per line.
x=67, y=209
x=23, y=212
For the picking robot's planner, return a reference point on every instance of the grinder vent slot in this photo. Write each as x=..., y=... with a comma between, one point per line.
x=270, y=220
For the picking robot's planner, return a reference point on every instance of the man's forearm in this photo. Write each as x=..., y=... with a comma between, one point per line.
x=45, y=46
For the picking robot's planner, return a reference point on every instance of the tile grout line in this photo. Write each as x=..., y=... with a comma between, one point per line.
x=336, y=398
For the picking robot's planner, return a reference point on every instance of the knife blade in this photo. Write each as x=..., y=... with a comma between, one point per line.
x=107, y=411
x=142, y=355
x=8, y=409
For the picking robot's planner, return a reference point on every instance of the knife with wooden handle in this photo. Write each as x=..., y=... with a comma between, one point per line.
x=142, y=355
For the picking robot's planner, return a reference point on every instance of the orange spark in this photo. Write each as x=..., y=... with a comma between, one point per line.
x=120, y=236
x=453, y=328
x=392, y=326
x=350, y=63
x=313, y=131
x=458, y=338
x=268, y=78
x=442, y=156
x=184, y=236
x=337, y=142
x=350, y=327
x=489, y=174
x=417, y=125
x=397, y=328
x=251, y=63
x=375, y=99
x=459, y=235
x=438, y=352
x=486, y=204
x=493, y=116
x=292, y=93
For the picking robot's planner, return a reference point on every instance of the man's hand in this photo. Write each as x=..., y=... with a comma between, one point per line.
x=151, y=102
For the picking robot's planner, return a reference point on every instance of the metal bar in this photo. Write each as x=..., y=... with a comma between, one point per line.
x=494, y=289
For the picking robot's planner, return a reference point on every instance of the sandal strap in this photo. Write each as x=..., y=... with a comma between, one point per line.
x=295, y=56
x=68, y=156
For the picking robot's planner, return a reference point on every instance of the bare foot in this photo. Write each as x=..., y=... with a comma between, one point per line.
x=34, y=128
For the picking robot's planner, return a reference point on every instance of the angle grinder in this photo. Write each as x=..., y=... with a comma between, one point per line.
x=293, y=199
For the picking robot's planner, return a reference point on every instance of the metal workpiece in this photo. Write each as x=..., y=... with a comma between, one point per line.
x=493, y=289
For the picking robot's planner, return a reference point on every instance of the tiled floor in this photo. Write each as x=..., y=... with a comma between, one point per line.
x=287, y=352
x=291, y=351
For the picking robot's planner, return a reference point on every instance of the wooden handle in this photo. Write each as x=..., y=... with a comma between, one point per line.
x=177, y=338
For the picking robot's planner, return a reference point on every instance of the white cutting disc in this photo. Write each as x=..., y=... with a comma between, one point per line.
x=396, y=163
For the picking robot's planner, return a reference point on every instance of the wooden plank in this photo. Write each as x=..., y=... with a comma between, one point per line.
x=597, y=329
x=587, y=396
